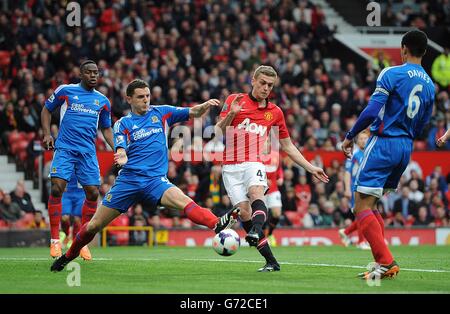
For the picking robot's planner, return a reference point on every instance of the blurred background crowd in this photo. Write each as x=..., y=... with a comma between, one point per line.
x=190, y=51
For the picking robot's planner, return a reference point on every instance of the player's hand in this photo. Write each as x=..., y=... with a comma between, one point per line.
x=441, y=141
x=235, y=107
x=48, y=142
x=120, y=158
x=347, y=148
x=348, y=194
x=319, y=174
x=211, y=102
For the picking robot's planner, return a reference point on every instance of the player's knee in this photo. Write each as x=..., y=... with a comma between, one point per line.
x=255, y=194
x=56, y=190
x=77, y=219
x=65, y=218
x=93, y=226
x=246, y=213
x=92, y=194
x=276, y=213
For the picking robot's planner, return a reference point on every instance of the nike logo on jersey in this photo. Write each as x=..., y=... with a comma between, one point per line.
x=75, y=97
x=135, y=127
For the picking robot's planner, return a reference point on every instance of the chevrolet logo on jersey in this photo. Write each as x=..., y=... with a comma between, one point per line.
x=155, y=119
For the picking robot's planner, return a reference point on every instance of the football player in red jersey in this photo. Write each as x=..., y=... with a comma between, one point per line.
x=274, y=173
x=246, y=120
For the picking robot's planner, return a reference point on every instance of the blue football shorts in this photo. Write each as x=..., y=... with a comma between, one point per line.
x=85, y=165
x=385, y=160
x=130, y=189
x=72, y=202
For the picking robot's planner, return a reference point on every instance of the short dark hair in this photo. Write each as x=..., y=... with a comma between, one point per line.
x=416, y=41
x=137, y=83
x=86, y=62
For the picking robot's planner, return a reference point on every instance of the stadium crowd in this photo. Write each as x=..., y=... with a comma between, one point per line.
x=190, y=51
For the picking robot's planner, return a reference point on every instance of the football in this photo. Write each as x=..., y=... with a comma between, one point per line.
x=226, y=242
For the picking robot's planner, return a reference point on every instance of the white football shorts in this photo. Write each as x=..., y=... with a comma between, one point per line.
x=238, y=178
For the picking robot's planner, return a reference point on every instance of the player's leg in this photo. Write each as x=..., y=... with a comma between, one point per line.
x=118, y=199
x=102, y=217
x=259, y=213
x=345, y=233
x=234, y=179
x=66, y=203
x=76, y=226
x=274, y=219
x=262, y=246
x=255, y=181
x=372, y=231
x=173, y=197
x=380, y=161
x=76, y=214
x=88, y=175
x=274, y=204
x=60, y=173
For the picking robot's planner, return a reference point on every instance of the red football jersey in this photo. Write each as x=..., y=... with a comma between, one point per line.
x=274, y=171
x=246, y=137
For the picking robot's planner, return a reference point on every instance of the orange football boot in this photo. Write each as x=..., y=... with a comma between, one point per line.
x=85, y=253
x=55, y=249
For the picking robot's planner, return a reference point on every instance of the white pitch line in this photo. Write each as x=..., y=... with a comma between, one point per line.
x=314, y=264
x=222, y=260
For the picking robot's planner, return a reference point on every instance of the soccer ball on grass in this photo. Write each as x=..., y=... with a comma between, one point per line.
x=226, y=242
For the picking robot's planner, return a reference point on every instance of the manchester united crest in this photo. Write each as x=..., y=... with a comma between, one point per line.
x=268, y=116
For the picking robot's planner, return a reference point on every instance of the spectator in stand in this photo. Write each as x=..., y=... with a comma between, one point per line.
x=9, y=211
x=38, y=221
x=289, y=201
x=423, y=217
x=22, y=198
x=436, y=181
x=414, y=176
x=398, y=220
x=415, y=195
x=327, y=214
x=440, y=70
x=223, y=207
x=313, y=217
x=406, y=207
x=138, y=237
x=441, y=219
x=437, y=132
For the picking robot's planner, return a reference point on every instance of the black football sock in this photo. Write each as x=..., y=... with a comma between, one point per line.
x=273, y=222
x=259, y=216
x=263, y=246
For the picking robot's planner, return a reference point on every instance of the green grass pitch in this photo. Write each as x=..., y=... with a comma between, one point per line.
x=424, y=269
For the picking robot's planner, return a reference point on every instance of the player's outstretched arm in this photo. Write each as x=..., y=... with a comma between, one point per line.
x=120, y=157
x=108, y=135
x=292, y=151
x=443, y=139
x=199, y=110
x=46, y=117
